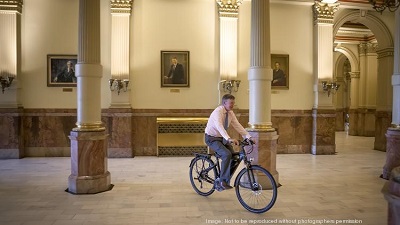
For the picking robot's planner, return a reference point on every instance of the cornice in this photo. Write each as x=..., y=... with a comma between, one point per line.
x=121, y=6
x=228, y=8
x=324, y=12
x=11, y=5
x=386, y=52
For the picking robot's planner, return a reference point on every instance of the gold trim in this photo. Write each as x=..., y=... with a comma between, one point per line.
x=182, y=120
x=11, y=5
x=260, y=127
x=394, y=127
x=97, y=126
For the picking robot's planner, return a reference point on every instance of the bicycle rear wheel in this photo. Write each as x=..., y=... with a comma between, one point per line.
x=202, y=174
x=256, y=189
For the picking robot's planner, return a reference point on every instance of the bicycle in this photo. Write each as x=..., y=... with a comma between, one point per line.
x=255, y=187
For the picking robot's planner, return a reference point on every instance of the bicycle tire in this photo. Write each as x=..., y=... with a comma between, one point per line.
x=202, y=174
x=264, y=193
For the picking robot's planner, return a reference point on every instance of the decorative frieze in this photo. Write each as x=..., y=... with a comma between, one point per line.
x=324, y=12
x=355, y=75
x=121, y=6
x=228, y=8
x=386, y=52
x=11, y=5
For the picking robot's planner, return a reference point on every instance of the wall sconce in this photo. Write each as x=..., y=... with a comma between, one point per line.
x=381, y=5
x=230, y=85
x=330, y=87
x=118, y=85
x=5, y=82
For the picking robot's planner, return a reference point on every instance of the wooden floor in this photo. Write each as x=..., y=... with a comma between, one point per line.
x=326, y=189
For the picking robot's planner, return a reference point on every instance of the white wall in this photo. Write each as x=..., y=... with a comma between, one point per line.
x=50, y=27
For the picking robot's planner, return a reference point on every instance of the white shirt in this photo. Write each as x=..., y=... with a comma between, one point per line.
x=215, y=124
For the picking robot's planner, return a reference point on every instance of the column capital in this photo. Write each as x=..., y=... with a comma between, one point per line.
x=11, y=5
x=355, y=75
x=324, y=12
x=367, y=47
x=121, y=6
x=228, y=8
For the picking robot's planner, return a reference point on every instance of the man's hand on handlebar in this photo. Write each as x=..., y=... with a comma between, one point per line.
x=233, y=141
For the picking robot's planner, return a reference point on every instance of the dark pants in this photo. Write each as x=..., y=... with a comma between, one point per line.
x=224, y=149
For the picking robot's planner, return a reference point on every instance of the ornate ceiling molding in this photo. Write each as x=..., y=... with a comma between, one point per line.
x=229, y=8
x=324, y=12
x=121, y=6
x=11, y=5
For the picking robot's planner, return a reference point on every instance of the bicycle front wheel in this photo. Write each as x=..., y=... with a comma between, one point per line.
x=202, y=174
x=256, y=189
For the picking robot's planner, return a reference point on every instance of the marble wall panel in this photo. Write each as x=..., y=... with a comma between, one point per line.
x=340, y=119
x=382, y=123
x=353, y=122
x=11, y=129
x=369, y=120
x=294, y=128
x=323, y=140
x=119, y=127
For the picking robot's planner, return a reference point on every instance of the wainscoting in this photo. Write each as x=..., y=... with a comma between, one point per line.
x=132, y=132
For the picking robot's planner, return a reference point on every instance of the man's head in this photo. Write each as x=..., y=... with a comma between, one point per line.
x=228, y=101
x=69, y=64
x=174, y=60
x=277, y=65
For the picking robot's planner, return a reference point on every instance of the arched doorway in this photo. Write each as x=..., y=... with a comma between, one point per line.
x=367, y=43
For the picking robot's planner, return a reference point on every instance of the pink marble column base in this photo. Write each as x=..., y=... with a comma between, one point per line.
x=392, y=152
x=391, y=191
x=264, y=151
x=89, y=173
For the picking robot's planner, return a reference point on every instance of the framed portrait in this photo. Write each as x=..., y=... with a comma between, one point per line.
x=61, y=70
x=280, y=68
x=175, y=69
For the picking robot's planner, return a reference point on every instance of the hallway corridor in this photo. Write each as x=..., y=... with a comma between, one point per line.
x=149, y=190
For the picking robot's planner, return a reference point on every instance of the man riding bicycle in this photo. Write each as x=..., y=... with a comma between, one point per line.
x=217, y=138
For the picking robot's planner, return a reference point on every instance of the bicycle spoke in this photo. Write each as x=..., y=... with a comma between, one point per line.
x=257, y=192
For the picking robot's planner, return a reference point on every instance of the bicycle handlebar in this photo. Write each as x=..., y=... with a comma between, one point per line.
x=246, y=142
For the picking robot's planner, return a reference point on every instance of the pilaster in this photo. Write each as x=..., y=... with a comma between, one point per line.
x=324, y=123
x=120, y=47
x=353, y=116
x=10, y=53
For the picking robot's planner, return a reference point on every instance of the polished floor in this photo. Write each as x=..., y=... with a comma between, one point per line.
x=337, y=189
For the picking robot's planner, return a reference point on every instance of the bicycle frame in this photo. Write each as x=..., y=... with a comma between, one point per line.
x=242, y=157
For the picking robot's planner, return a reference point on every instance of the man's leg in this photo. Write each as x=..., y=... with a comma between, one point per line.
x=225, y=151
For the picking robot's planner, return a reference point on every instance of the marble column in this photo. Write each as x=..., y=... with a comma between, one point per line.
x=260, y=77
x=11, y=138
x=391, y=192
x=384, y=97
x=324, y=113
x=393, y=133
x=120, y=26
x=354, y=90
x=89, y=173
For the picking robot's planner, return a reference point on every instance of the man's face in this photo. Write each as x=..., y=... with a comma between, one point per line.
x=228, y=104
x=174, y=61
x=277, y=66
